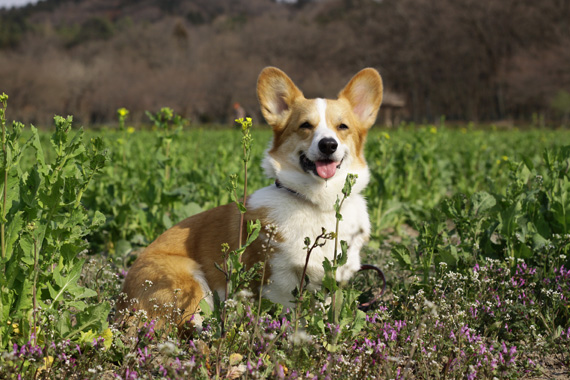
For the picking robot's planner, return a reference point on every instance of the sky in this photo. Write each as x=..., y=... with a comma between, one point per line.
x=15, y=3
x=19, y=3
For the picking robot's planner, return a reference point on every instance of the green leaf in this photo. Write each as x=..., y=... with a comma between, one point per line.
x=70, y=251
x=329, y=282
x=12, y=189
x=93, y=317
x=508, y=218
x=241, y=207
x=527, y=161
x=122, y=247
x=98, y=220
x=401, y=253
x=449, y=255
x=27, y=245
x=522, y=251
x=64, y=325
x=13, y=229
x=23, y=294
x=253, y=229
x=338, y=215
x=69, y=283
x=190, y=209
x=348, y=184
x=37, y=145
x=166, y=221
x=205, y=309
x=52, y=291
x=482, y=202
x=52, y=196
x=358, y=323
x=557, y=332
x=343, y=257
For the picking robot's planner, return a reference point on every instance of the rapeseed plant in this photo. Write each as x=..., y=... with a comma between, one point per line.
x=470, y=317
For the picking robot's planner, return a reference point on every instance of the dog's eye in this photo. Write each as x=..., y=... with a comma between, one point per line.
x=343, y=126
x=306, y=125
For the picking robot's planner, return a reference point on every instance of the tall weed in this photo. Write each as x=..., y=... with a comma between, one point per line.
x=45, y=225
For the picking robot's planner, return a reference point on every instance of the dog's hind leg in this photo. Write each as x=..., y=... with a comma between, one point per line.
x=165, y=285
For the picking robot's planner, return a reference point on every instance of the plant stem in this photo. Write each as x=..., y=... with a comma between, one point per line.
x=167, y=166
x=82, y=190
x=4, y=190
x=347, y=189
x=336, y=234
x=246, y=146
x=227, y=273
x=333, y=298
x=242, y=216
x=316, y=244
x=256, y=327
x=34, y=292
x=300, y=300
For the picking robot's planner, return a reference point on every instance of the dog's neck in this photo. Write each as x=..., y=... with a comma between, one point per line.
x=325, y=196
x=280, y=186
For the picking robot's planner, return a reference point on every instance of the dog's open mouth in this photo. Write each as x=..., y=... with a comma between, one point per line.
x=322, y=168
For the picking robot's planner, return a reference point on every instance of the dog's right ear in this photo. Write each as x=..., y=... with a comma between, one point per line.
x=276, y=93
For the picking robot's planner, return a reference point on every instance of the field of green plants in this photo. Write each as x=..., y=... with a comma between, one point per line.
x=470, y=225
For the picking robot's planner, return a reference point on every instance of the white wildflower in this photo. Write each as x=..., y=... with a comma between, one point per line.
x=167, y=348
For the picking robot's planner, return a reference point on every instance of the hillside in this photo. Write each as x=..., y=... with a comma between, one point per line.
x=467, y=60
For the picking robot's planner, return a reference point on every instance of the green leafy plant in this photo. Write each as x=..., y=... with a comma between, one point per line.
x=517, y=223
x=45, y=227
x=141, y=199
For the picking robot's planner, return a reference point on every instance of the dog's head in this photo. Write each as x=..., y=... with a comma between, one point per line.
x=318, y=141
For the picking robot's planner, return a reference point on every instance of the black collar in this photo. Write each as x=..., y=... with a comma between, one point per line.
x=280, y=186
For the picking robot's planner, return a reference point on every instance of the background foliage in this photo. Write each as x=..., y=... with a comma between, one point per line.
x=474, y=60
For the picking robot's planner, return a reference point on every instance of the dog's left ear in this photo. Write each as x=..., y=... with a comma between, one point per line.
x=364, y=93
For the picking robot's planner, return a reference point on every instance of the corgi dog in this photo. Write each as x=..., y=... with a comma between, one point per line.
x=316, y=143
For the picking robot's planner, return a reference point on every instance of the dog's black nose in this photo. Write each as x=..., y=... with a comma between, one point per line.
x=328, y=145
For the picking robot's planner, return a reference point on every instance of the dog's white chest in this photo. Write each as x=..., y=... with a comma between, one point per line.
x=295, y=220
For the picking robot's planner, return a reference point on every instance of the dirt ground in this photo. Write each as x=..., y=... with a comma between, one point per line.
x=553, y=369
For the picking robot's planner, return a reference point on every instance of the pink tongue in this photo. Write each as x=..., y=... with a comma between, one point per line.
x=326, y=169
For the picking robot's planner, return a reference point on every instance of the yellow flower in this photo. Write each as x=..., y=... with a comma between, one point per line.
x=48, y=361
x=464, y=130
x=235, y=359
x=90, y=336
x=123, y=112
x=131, y=130
x=386, y=135
x=498, y=162
x=505, y=158
x=15, y=327
x=108, y=336
x=433, y=130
